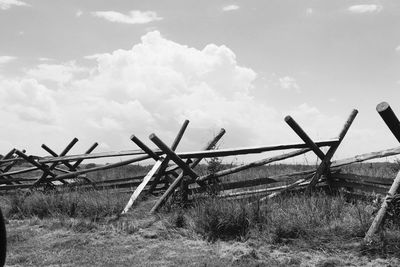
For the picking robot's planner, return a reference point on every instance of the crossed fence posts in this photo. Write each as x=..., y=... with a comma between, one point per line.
x=187, y=168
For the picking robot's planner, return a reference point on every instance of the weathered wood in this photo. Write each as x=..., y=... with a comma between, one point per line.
x=94, y=156
x=326, y=162
x=164, y=165
x=102, y=168
x=54, y=164
x=175, y=184
x=285, y=189
x=233, y=185
x=19, y=171
x=362, y=178
x=90, y=150
x=149, y=151
x=366, y=156
x=302, y=134
x=253, y=164
x=139, y=189
x=388, y=116
x=382, y=211
x=366, y=187
x=42, y=167
x=194, y=154
x=159, y=169
x=173, y=156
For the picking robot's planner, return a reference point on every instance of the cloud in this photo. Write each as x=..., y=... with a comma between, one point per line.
x=60, y=73
x=361, y=9
x=6, y=59
x=230, y=8
x=152, y=87
x=289, y=83
x=6, y=4
x=28, y=99
x=134, y=17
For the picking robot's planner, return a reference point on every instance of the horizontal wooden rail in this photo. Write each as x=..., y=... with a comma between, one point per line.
x=361, y=186
x=363, y=179
x=367, y=156
x=195, y=154
x=254, y=164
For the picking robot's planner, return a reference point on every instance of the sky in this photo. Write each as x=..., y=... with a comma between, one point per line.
x=104, y=70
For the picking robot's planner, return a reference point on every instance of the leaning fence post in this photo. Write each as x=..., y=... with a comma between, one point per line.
x=388, y=116
x=175, y=184
x=326, y=162
x=302, y=134
x=164, y=165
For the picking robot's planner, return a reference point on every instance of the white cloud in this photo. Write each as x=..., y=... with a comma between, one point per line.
x=60, y=73
x=360, y=9
x=289, y=83
x=309, y=11
x=28, y=99
x=230, y=8
x=134, y=17
x=6, y=59
x=6, y=4
x=152, y=87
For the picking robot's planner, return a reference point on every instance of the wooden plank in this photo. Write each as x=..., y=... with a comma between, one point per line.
x=173, y=156
x=366, y=156
x=174, y=145
x=233, y=185
x=54, y=164
x=361, y=186
x=388, y=116
x=194, y=154
x=139, y=189
x=253, y=164
x=302, y=134
x=177, y=181
x=105, y=167
x=382, y=211
x=362, y=178
x=326, y=162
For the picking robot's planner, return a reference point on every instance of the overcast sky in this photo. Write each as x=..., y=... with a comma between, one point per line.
x=103, y=70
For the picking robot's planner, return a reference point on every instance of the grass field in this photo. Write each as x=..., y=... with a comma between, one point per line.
x=82, y=227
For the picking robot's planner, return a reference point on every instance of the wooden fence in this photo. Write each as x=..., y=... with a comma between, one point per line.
x=175, y=171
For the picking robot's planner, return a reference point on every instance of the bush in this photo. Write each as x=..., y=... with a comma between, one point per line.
x=219, y=219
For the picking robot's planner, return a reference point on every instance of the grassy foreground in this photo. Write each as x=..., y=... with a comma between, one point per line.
x=81, y=228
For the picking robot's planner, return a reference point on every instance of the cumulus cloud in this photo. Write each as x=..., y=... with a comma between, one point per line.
x=152, y=87
x=134, y=16
x=230, y=8
x=29, y=100
x=289, y=83
x=361, y=9
x=6, y=59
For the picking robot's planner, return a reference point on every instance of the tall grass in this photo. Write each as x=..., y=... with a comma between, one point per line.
x=78, y=203
x=282, y=219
